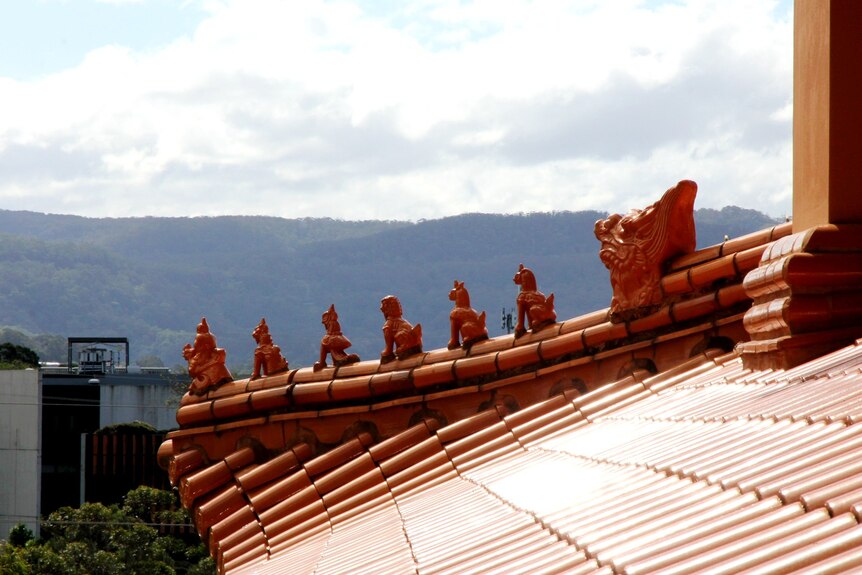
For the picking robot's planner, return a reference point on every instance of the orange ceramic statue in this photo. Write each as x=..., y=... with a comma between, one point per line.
x=267, y=356
x=206, y=361
x=401, y=338
x=334, y=343
x=636, y=246
x=532, y=304
x=464, y=320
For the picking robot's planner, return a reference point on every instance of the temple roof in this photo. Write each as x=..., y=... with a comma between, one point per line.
x=589, y=445
x=708, y=464
x=708, y=417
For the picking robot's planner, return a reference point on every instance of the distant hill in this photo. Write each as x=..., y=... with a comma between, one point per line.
x=152, y=279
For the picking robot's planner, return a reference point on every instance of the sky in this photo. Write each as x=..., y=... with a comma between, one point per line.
x=392, y=109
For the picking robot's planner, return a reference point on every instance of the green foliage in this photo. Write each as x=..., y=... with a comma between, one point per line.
x=12, y=561
x=154, y=506
x=17, y=356
x=130, y=427
x=96, y=539
x=20, y=535
x=47, y=347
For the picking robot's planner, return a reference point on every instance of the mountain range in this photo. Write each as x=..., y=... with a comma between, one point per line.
x=151, y=279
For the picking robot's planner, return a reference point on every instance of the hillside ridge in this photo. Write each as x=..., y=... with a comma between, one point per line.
x=151, y=279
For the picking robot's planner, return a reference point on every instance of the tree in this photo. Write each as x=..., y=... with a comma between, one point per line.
x=17, y=356
x=20, y=535
x=96, y=539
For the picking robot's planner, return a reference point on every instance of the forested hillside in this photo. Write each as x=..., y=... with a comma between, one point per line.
x=151, y=279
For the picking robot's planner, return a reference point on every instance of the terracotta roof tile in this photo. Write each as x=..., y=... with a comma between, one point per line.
x=194, y=413
x=396, y=382
x=270, y=399
x=471, y=367
x=349, y=389
x=234, y=529
x=518, y=356
x=358, y=368
x=345, y=473
x=280, y=500
x=434, y=374
x=213, y=477
x=587, y=320
x=394, y=445
x=226, y=502
x=821, y=555
x=232, y=406
x=688, y=550
x=783, y=543
x=492, y=345
x=184, y=463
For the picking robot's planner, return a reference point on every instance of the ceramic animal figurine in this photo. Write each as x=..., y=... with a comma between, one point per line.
x=533, y=306
x=334, y=343
x=467, y=326
x=267, y=357
x=401, y=338
x=207, y=367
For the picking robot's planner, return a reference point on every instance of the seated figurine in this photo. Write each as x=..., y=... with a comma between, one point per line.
x=207, y=367
x=267, y=357
x=401, y=338
x=532, y=304
x=463, y=319
x=334, y=343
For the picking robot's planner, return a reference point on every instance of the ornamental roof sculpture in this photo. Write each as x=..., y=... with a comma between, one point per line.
x=467, y=326
x=206, y=361
x=267, y=357
x=334, y=342
x=401, y=338
x=636, y=246
x=533, y=307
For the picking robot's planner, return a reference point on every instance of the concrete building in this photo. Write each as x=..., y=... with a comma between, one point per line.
x=20, y=449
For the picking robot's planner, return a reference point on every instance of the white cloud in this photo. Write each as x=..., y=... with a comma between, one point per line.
x=429, y=109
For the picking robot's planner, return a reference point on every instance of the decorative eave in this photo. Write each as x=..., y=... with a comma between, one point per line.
x=807, y=293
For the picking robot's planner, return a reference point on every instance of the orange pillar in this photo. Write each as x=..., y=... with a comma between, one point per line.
x=807, y=291
x=827, y=113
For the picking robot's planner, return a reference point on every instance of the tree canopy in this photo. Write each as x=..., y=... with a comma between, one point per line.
x=14, y=356
x=97, y=539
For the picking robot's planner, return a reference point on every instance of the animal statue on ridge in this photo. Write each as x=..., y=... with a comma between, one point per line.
x=207, y=367
x=533, y=306
x=334, y=342
x=467, y=326
x=402, y=339
x=267, y=357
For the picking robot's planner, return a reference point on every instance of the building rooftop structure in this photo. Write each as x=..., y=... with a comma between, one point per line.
x=707, y=421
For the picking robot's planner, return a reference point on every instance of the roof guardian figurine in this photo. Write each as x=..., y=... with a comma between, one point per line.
x=267, y=357
x=636, y=246
x=206, y=361
x=463, y=319
x=334, y=343
x=532, y=304
x=401, y=338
